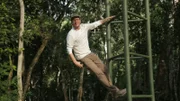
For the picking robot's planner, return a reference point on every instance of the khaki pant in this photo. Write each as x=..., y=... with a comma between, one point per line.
x=94, y=64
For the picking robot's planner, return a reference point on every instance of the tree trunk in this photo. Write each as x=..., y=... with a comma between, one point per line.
x=80, y=91
x=176, y=31
x=33, y=63
x=10, y=73
x=20, y=55
x=64, y=88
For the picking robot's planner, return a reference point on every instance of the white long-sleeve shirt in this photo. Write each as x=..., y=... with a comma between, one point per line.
x=77, y=40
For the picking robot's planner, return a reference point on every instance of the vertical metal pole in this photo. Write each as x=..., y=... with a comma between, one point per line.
x=108, y=31
x=126, y=45
x=149, y=50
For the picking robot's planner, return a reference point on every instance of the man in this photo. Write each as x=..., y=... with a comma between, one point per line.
x=77, y=40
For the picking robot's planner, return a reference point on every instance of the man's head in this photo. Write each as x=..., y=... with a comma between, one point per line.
x=76, y=21
x=75, y=16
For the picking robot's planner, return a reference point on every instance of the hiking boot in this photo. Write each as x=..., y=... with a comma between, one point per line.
x=120, y=93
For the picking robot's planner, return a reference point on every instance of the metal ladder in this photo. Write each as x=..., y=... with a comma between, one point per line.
x=127, y=53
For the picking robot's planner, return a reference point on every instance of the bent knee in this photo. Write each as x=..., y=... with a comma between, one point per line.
x=101, y=74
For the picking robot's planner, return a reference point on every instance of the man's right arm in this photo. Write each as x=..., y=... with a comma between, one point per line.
x=77, y=63
x=70, y=44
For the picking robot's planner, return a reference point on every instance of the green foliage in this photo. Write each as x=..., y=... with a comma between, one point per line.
x=8, y=89
x=4, y=70
x=42, y=26
x=50, y=18
x=9, y=96
x=8, y=49
x=7, y=28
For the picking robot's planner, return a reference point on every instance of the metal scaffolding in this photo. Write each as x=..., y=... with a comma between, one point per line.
x=127, y=54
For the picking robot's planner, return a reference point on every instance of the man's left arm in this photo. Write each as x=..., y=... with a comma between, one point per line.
x=106, y=19
x=98, y=23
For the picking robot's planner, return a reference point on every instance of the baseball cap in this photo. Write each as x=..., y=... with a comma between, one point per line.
x=75, y=16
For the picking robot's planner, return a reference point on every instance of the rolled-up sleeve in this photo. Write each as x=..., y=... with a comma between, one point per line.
x=93, y=25
x=70, y=44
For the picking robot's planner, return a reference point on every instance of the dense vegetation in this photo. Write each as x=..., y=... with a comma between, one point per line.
x=53, y=77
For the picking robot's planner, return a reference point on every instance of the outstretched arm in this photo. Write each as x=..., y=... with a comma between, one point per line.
x=107, y=19
x=99, y=22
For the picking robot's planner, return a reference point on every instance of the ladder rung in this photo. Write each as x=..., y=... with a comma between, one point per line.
x=141, y=96
x=141, y=55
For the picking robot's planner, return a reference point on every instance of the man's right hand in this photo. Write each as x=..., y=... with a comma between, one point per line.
x=77, y=63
